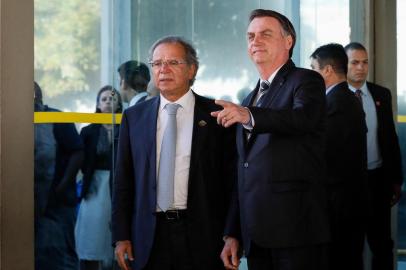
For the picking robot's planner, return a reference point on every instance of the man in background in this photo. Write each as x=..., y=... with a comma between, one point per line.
x=383, y=155
x=58, y=155
x=134, y=79
x=345, y=158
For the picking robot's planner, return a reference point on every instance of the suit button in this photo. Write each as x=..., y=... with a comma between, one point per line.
x=246, y=165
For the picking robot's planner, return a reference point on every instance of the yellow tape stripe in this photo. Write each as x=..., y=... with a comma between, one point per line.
x=401, y=118
x=70, y=117
x=97, y=118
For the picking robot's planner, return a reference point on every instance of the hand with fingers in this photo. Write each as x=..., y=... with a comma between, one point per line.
x=231, y=114
x=229, y=255
x=123, y=253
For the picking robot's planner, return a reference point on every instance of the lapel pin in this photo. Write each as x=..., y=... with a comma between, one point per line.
x=202, y=123
x=378, y=103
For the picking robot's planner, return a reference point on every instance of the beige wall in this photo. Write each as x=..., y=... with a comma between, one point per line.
x=16, y=135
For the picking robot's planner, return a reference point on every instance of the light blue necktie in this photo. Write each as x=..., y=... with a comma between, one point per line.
x=166, y=172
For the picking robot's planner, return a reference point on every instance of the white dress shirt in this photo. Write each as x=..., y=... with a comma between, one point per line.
x=369, y=106
x=136, y=98
x=184, y=122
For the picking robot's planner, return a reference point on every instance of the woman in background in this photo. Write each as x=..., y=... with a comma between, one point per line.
x=92, y=231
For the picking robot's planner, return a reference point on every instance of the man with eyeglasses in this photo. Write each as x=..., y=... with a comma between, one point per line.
x=280, y=204
x=175, y=171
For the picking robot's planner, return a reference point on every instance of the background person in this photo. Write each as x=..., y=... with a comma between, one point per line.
x=92, y=231
x=58, y=155
x=134, y=79
x=345, y=158
x=383, y=155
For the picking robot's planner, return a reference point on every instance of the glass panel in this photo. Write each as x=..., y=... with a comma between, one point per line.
x=401, y=90
x=317, y=19
x=73, y=47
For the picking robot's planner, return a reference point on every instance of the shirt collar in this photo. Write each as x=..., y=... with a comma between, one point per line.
x=137, y=97
x=328, y=90
x=186, y=102
x=270, y=79
x=364, y=88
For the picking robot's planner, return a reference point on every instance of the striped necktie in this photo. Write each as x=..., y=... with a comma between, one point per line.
x=263, y=89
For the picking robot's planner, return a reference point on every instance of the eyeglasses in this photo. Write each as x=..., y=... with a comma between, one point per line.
x=170, y=63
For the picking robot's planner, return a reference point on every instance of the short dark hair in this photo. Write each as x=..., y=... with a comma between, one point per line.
x=287, y=26
x=190, y=51
x=135, y=74
x=354, y=46
x=37, y=92
x=332, y=54
x=105, y=88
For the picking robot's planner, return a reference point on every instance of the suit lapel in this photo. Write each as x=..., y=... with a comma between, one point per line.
x=150, y=122
x=375, y=97
x=201, y=121
x=277, y=83
x=243, y=145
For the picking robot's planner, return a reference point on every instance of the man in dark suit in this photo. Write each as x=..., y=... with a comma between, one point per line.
x=134, y=79
x=184, y=232
x=384, y=160
x=345, y=158
x=280, y=141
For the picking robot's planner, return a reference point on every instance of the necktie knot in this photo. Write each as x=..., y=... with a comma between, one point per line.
x=172, y=108
x=358, y=94
x=264, y=86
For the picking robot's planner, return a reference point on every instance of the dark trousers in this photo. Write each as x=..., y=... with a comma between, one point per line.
x=379, y=221
x=171, y=249
x=89, y=265
x=347, y=222
x=313, y=257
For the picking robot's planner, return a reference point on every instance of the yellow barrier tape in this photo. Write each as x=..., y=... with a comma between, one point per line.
x=97, y=118
x=70, y=117
x=401, y=118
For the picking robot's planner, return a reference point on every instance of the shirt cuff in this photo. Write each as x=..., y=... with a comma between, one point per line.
x=250, y=125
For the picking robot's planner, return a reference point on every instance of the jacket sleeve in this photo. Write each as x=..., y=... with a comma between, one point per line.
x=308, y=107
x=123, y=186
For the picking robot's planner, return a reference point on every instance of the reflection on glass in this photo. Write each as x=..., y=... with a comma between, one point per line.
x=134, y=78
x=92, y=230
x=322, y=22
x=58, y=156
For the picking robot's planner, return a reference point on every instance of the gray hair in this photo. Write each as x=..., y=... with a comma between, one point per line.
x=190, y=52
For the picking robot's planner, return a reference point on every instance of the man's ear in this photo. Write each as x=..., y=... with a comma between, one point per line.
x=192, y=71
x=288, y=42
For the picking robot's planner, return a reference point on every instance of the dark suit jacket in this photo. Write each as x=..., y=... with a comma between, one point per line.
x=212, y=171
x=281, y=168
x=387, y=137
x=346, y=155
x=90, y=137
